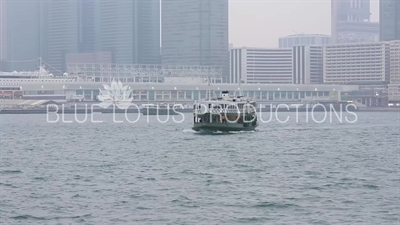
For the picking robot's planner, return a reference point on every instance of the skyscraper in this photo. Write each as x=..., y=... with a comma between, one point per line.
x=70, y=30
x=24, y=37
x=351, y=22
x=3, y=34
x=195, y=32
x=130, y=29
x=389, y=20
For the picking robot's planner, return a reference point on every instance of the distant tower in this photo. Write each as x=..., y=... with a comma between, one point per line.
x=351, y=22
x=389, y=20
x=70, y=30
x=23, y=33
x=195, y=32
x=3, y=34
x=130, y=29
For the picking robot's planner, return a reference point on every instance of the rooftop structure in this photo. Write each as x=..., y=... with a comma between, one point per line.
x=304, y=40
x=351, y=22
x=142, y=72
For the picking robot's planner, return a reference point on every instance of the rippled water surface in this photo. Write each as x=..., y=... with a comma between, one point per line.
x=152, y=173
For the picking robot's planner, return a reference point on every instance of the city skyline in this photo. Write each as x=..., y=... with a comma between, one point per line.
x=242, y=12
x=263, y=13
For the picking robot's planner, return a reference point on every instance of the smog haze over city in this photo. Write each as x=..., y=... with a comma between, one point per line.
x=200, y=112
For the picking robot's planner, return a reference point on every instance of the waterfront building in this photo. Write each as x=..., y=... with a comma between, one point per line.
x=196, y=33
x=296, y=65
x=308, y=65
x=357, y=63
x=304, y=40
x=394, y=86
x=261, y=65
x=182, y=92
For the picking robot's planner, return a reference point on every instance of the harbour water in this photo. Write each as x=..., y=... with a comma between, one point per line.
x=164, y=173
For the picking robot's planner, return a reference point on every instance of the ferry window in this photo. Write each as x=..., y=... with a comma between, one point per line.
x=174, y=94
x=195, y=95
x=188, y=94
x=203, y=94
x=151, y=95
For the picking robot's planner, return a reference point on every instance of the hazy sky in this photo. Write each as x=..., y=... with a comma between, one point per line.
x=259, y=23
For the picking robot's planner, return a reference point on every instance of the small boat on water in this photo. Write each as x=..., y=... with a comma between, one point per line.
x=225, y=113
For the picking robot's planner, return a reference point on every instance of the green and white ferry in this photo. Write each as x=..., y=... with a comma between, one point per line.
x=225, y=113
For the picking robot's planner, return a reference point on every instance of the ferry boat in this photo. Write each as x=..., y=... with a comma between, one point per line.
x=225, y=113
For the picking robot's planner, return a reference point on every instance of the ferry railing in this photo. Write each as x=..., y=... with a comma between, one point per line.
x=223, y=111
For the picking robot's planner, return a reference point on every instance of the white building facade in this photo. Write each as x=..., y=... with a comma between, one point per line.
x=394, y=86
x=261, y=66
x=296, y=65
x=356, y=63
x=308, y=65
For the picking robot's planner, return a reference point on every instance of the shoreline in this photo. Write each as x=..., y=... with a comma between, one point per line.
x=119, y=111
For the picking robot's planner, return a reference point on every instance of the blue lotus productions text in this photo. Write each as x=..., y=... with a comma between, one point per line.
x=267, y=113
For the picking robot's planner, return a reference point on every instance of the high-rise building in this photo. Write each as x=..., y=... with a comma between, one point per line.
x=130, y=29
x=24, y=37
x=357, y=63
x=70, y=30
x=3, y=34
x=261, y=66
x=195, y=32
x=389, y=20
x=304, y=40
x=351, y=22
x=308, y=65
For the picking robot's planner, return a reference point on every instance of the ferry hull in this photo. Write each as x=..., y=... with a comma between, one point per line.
x=224, y=127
